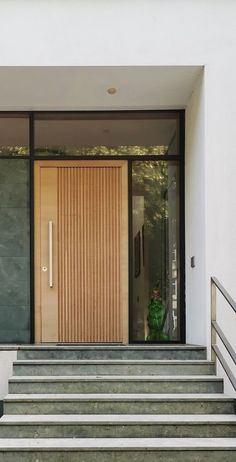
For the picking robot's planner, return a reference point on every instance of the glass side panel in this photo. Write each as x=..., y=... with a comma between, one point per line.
x=106, y=135
x=155, y=229
x=14, y=135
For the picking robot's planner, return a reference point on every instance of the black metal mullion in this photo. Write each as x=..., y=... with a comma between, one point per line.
x=182, y=308
x=156, y=158
x=130, y=246
x=32, y=308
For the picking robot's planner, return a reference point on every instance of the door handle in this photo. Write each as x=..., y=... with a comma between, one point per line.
x=50, y=253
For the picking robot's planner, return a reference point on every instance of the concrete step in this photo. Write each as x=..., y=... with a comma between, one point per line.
x=112, y=367
x=118, y=404
x=154, y=352
x=118, y=449
x=115, y=384
x=118, y=426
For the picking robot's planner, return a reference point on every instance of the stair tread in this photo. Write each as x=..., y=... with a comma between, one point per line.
x=117, y=443
x=106, y=347
x=118, y=397
x=111, y=361
x=114, y=378
x=118, y=418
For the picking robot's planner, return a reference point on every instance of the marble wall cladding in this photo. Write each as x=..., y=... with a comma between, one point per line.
x=14, y=251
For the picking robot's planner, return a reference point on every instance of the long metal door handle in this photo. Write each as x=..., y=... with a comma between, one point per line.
x=50, y=253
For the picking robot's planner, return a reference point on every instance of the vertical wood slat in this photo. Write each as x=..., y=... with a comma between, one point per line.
x=49, y=296
x=89, y=204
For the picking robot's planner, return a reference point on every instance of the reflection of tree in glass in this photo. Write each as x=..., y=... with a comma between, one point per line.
x=104, y=150
x=14, y=151
x=153, y=180
x=150, y=179
x=86, y=151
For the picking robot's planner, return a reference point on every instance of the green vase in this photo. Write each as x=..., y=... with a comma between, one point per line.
x=156, y=318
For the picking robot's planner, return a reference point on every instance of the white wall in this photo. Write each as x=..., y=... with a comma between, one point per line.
x=211, y=195
x=156, y=33
x=196, y=317
x=114, y=32
x=220, y=147
x=6, y=360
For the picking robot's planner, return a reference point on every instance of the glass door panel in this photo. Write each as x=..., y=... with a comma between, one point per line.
x=155, y=242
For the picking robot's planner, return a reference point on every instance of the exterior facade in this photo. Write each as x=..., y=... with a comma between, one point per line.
x=157, y=64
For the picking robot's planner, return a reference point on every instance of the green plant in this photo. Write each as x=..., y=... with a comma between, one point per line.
x=156, y=318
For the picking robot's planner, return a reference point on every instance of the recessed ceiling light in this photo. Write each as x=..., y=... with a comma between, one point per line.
x=111, y=91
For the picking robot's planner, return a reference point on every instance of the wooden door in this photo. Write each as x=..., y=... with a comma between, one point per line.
x=81, y=251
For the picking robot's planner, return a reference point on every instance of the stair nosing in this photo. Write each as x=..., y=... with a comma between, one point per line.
x=114, y=378
x=118, y=419
x=125, y=397
x=118, y=444
x=106, y=347
x=20, y=362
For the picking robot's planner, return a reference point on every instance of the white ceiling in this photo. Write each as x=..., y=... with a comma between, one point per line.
x=85, y=88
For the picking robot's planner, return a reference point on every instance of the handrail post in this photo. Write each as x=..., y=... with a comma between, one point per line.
x=213, y=318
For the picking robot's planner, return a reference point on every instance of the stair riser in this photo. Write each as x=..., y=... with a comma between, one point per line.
x=99, y=407
x=100, y=354
x=116, y=387
x=118, y=431
x=111, y=369
x=119, y=456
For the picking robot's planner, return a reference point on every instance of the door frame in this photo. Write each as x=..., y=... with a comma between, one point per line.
x=124, y=257
x=180, y=158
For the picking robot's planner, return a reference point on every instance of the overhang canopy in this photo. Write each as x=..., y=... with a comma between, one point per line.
x=85, y=88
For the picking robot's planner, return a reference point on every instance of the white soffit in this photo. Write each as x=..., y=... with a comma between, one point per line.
x=85, y=88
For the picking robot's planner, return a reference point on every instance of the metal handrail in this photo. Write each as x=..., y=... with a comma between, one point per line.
x=216, y=330
x=224, y=292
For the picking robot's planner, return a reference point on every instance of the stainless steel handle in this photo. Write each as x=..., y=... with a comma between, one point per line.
x=50, y=253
